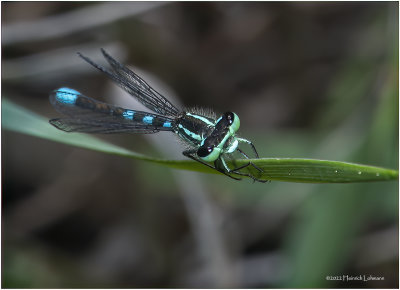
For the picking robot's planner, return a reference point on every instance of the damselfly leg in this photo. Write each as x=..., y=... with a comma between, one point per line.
x=191, y=154
x=224, y=168
x=236, y=170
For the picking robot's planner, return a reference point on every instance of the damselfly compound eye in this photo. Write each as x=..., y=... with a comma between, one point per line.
x=204, y=151
x=230, y=117
x=209, y=153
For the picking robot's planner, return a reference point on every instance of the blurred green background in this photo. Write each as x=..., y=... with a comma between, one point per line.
x=308, y=79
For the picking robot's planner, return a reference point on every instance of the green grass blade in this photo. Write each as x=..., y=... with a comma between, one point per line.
x=321, y=171
x=18, y=119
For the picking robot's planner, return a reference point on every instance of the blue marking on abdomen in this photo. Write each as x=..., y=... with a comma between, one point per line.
x=128, y=114
x=167, y=125
x=67, y=96
x=148, y=120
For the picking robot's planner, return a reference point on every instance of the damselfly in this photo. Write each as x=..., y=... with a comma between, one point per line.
x=210, y=140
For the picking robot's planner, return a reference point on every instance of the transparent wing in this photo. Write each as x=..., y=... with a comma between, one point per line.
x=135, y=86
x=91, y=116
x=99, y=126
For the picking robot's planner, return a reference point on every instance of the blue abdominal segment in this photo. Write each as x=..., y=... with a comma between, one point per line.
x=128, y=114
x=67, y=96
x=167, y=125
x=148, y=120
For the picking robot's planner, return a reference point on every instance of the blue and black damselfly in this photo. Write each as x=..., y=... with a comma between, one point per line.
x=210, y=140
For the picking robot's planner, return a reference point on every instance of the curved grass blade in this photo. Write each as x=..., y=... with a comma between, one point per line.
x=319, y=171
x=18, y=119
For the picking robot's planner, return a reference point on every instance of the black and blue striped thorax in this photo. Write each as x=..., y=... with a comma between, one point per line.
x=193, y=127
x=209, y=138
